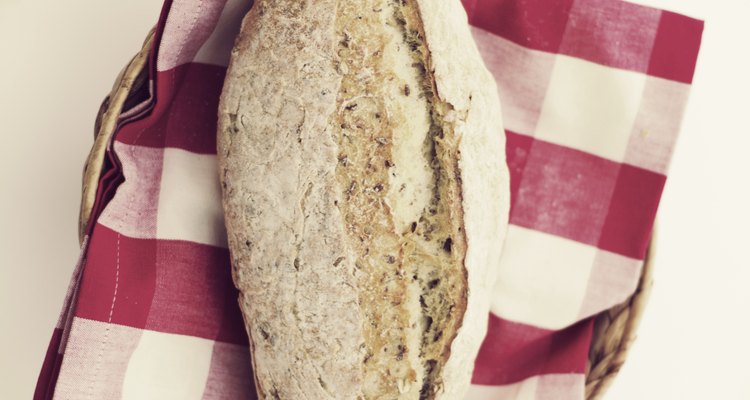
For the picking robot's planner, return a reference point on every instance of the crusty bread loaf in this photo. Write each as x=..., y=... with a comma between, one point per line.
x=362, y=161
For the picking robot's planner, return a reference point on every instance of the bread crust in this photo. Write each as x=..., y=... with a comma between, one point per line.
x=277, y=164
x=293, y=258
x=485, y=181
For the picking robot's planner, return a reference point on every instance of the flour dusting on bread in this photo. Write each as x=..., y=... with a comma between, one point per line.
x=344, y=150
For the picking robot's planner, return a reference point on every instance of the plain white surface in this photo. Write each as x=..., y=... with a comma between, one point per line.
x=57, y=63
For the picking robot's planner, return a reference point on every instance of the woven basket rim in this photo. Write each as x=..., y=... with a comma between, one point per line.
x=104, y=128
x=615, y=331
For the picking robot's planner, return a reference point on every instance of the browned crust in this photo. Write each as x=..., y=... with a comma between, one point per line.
x=448, y=155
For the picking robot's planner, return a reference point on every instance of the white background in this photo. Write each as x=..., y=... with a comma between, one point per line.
x=57, y=63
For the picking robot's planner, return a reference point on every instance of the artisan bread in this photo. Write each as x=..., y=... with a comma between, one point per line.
x=362, y=164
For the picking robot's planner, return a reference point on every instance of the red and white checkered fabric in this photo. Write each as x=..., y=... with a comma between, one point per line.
x=593, y=93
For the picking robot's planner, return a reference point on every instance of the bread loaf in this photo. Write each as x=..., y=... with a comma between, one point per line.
x=362, y=163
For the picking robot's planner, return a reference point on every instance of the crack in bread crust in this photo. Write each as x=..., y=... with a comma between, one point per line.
x=365, y=123
x=398, y=176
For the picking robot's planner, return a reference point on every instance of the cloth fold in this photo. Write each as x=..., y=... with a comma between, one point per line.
x=593, y=93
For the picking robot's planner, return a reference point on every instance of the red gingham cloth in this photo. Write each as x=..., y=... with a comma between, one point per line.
x=593, y=93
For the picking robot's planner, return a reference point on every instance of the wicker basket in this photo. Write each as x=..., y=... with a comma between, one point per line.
x=614, y=329
x=129, y=85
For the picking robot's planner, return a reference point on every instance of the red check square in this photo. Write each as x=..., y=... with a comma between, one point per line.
x=536, y=24
x=118, y=279
x=512, y=351
x=191, y=282
x=676, y=47
x=627, y=230
x=612, y=33
x=564, y=192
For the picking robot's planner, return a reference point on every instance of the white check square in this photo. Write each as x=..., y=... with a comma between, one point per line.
x=590, y=107
x=542, y=279
x=168, y=366
x=190, y=199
